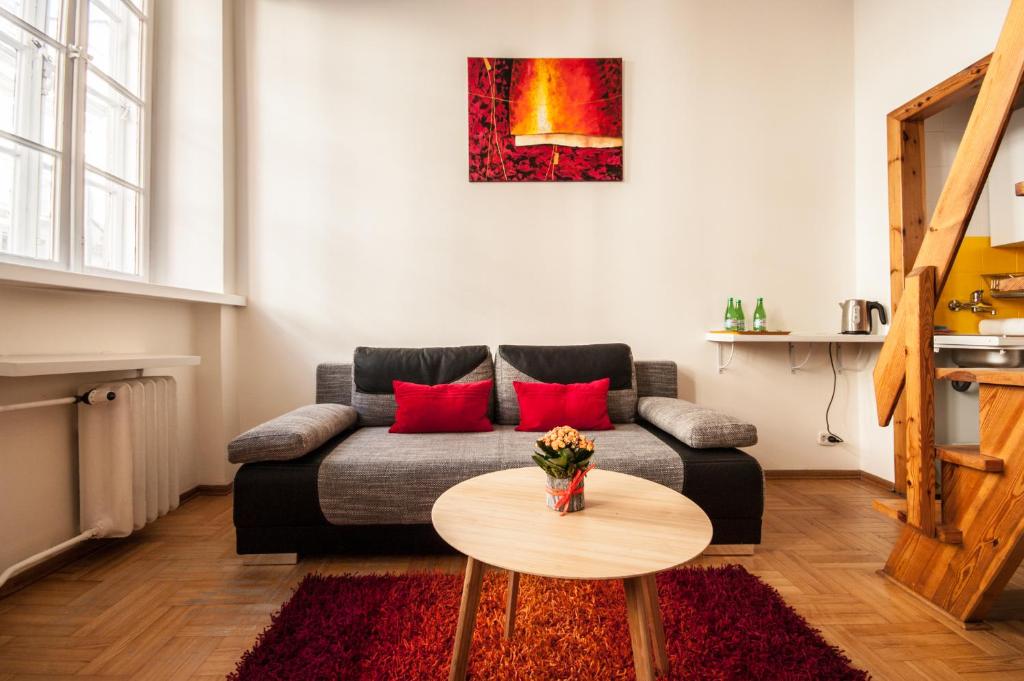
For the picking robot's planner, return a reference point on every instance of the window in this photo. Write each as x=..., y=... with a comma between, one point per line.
x=73, y=134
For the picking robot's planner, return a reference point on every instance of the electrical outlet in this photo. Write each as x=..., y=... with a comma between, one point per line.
x=824, y=441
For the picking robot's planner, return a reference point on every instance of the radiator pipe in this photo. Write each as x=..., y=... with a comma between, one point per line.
x=43, y=555
x=91, y=397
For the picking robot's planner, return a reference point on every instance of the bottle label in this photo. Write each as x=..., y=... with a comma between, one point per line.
x=760, y=325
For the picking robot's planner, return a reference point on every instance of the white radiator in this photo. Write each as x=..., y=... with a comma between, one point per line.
x=128, y=455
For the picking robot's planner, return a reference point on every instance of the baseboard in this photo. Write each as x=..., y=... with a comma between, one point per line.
x=828, y=474
x=888, y=485
x=812, y=474
x=79, y=551
x=205, y=490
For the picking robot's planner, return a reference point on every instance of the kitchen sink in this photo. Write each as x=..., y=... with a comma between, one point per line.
x=998, y=358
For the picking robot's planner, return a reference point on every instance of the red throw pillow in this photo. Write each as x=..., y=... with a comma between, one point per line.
x=543, y=406
x=445, y=408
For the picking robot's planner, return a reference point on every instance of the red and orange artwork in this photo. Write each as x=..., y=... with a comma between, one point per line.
x=545, y=120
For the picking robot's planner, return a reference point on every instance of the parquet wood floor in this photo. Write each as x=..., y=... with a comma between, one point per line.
x=175, y=602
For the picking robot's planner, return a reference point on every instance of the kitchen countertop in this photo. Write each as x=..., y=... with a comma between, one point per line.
x=978, y=341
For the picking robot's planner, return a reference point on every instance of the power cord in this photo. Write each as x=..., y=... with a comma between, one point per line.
x=832, y=437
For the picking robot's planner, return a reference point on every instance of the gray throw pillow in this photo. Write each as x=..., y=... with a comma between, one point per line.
x=696, y=426
x=293, y=434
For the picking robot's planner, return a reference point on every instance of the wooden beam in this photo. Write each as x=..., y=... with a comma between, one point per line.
x=969, y=456
x=896, y=508
x=959, y=196
x=1013, y=377
x=907, y=208
x=957, y=88
x=919, y=303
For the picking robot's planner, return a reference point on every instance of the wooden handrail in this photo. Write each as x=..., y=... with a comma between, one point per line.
x=959, y=196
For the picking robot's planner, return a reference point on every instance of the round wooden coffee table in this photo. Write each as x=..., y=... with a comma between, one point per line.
x=631, y=529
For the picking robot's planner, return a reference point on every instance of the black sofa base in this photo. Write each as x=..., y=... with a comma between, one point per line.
x=342, y=540
x=277, y=509
x=409, y=539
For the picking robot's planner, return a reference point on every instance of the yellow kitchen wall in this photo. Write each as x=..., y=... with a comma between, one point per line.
x=977, y=257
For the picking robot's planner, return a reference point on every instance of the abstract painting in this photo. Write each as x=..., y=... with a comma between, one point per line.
x=554, y=120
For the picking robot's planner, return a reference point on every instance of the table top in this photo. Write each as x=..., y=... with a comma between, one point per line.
x=630, y=526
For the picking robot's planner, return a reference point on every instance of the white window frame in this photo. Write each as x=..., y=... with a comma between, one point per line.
x=70, y=173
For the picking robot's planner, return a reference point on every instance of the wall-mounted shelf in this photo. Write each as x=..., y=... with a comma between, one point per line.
x=721, y=340
x=48, y=365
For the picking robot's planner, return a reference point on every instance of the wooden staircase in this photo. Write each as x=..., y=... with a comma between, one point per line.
x=978, y=537
x=958, y=552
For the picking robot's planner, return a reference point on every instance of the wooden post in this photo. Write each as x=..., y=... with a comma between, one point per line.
x=907, y=223
x=919, y=303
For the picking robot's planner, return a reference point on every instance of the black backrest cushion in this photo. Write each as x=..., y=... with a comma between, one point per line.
x=566, y=364
x=374, y=369
x=573, y=363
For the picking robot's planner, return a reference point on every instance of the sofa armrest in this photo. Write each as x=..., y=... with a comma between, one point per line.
x=696, y=426
x=291, y=435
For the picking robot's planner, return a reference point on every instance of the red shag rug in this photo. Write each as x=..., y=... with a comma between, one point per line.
x=720, y=622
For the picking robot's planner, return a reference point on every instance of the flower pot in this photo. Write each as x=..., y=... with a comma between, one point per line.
x=555, y=491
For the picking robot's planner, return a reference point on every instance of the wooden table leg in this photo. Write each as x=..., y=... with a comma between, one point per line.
x=467, y=618
x=639, y=628
x=510, y=603
x=655, y=625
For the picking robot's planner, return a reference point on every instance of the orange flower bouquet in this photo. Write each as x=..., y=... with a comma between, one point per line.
x=564, y=454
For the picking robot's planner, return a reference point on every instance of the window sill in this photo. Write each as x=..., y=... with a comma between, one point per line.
x=24, y=275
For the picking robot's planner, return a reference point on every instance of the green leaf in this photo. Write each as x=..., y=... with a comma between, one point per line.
x=548, y=467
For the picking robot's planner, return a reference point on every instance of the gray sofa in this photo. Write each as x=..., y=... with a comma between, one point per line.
x=330, y=478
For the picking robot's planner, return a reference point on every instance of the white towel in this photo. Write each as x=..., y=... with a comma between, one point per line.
x=1001, y=327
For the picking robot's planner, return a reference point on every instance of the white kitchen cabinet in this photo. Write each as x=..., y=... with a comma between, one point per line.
x=1006, y=209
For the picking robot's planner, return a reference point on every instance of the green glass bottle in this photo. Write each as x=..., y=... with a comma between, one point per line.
x=739, y=319
x=760, y=318
x=730, y=313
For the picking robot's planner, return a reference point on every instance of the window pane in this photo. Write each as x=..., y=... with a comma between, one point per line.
x=43, y=14
x=27, y=201
x=115, y=43
x=28, y=85
x=111, y=225
x=111, y=130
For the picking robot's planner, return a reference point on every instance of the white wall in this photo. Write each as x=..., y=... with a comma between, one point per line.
x=189, y=152
x=942, y=136
x=38, y=448
x=361, y=227
x=901, y=49
x=192, y=219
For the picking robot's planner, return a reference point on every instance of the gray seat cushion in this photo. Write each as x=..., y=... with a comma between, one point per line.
x=376, y=477
x=699, y=427
x=291, y=435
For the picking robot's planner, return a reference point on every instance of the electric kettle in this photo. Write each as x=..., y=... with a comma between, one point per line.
x=857, y=315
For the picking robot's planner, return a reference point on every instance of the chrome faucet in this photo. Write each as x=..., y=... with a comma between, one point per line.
x=976, y=304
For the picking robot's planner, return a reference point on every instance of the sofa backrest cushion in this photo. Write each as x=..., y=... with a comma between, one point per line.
x=658, y=378
x=374, y=370
x=334, y=383
x=566, y=364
